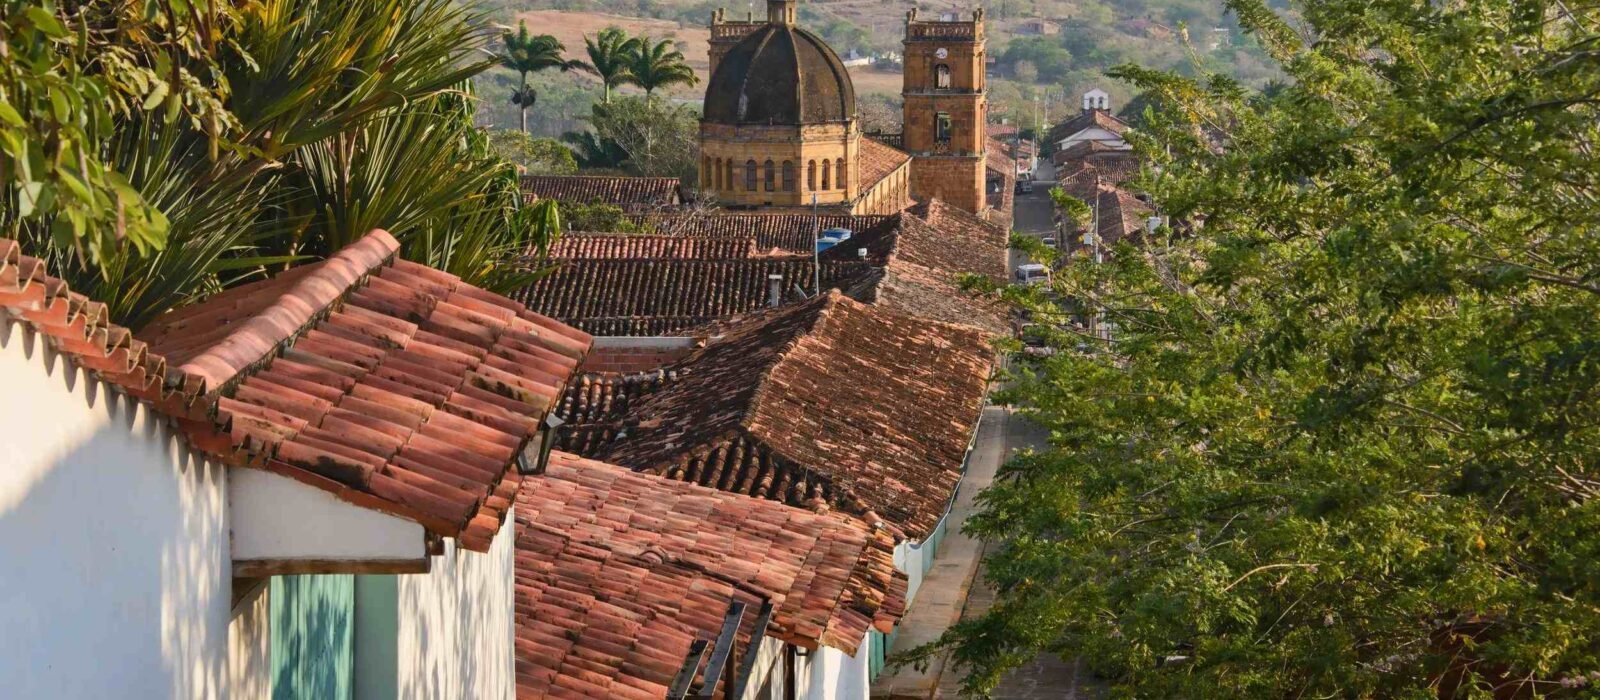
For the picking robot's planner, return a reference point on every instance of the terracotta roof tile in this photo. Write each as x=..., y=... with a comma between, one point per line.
x=613, y=246
x=630, y=193
x=826, y=404
x=792, y=233
x=617, y=573
x=877, y=161
x=82, y=329
x=1086, y=120
x=388, y=383
x=372, y=374
x=664, y=297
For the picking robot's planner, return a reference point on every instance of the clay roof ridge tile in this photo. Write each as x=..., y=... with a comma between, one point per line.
x=295, y=310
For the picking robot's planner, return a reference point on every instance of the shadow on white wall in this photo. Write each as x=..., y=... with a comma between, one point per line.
x=115, y=538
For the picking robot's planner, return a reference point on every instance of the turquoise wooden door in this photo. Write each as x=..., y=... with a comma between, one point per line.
x=312, y=637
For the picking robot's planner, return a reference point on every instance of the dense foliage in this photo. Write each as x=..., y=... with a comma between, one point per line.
x=155, y=151
x=1343, y=438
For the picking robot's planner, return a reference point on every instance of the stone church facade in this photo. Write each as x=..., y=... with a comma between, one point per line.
x=781, y=129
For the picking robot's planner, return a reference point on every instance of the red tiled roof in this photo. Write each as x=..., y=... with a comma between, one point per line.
x=999, y=165
x=877, y=161
x=617, y=246
x=936, y=236
x=81, y=328
x=830, y=403
x=915, y=290
x=389, y=383
x=617, y=573
x=793, y=233
x=1086, y=120
x=983, y=243
x=597, y=404
x=664, y=297
x=630, y=193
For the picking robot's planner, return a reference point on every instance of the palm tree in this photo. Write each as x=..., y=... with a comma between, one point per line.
x=610, y=57
x=659, y=65
x=526, y=54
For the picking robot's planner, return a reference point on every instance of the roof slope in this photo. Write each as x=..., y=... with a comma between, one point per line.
x=1088, y=119
x=391, y=384
x=918, y=267
x=617, y=573
x=623, y=246
x=877, y=161
x=645, y=297
x=827, y=404
x=630, y=193
x=793, y=233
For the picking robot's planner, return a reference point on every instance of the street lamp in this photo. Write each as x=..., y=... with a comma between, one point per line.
x=535, y=457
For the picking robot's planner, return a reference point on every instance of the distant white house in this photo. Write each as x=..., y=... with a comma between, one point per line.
x=1094, y=124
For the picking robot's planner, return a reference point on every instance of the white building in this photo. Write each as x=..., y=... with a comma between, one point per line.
x=1094, y=124
x=256, y=497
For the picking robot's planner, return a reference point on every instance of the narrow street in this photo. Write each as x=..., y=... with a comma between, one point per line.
x=953, y=589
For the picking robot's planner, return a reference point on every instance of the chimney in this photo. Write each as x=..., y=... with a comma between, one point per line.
x=774, y=290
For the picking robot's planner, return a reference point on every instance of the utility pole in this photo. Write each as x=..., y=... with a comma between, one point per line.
x=816, y=245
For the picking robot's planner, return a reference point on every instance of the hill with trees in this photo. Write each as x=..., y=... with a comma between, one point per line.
x=1047, y=52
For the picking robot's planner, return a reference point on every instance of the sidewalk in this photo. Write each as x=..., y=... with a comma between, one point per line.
x=952, y=592
x=943, y=594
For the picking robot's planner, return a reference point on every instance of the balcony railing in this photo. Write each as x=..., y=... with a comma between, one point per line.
x=930, y=31
x=733, y=30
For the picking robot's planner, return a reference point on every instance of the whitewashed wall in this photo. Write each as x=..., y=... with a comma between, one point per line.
x=456, y=635
x=278, y=518
x=830, y=674
x=114, y=538
x=1093, y=134
x=250, y=648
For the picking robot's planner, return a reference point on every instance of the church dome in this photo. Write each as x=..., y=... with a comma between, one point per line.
x=780, y=74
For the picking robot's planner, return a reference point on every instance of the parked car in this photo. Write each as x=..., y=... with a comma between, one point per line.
x=1024, y=187
x=1048, y=240
x=1032, y=273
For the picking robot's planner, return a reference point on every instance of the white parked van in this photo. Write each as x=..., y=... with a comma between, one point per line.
x=1032, y=273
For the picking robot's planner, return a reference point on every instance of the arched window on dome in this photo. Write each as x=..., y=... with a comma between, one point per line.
x=772, y=176
x=727, y=179
x=708, y=177
x=788, y=176
x=826, y=172
x=941, y=77
x=811, y=176
x=838, y=176
x=750, y=175
x=716, y=175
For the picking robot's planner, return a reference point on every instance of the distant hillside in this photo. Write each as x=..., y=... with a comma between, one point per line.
x=1046, y=52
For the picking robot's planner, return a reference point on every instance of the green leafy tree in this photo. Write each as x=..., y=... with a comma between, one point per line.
x=659, y=138
x=535, y=156
x=67, y=82
x=658, y=65
x=527, y=54
x=215, y=144
x=611, y=54
x=1341, y=438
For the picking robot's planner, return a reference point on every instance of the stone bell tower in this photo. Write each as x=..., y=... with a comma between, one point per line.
x=946, y=103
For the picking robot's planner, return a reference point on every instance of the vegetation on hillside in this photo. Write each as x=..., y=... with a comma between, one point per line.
x=1342, y=440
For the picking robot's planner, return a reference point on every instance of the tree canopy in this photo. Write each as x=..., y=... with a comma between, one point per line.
x=156, y=151
x=1344, y=437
